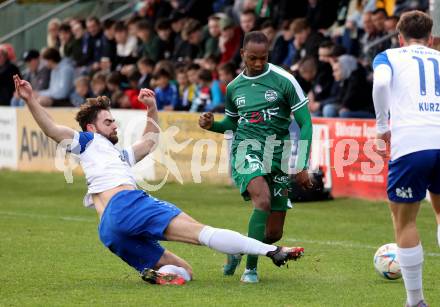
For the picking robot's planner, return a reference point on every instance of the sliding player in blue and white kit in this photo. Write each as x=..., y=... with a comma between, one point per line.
x=131, y=221
x=407, y=90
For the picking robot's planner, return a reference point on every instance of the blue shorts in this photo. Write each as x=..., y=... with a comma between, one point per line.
x=131, y=225
x=411, y=175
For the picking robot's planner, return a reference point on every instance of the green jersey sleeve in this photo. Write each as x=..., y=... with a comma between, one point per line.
x=229, y=122
x=295, y=95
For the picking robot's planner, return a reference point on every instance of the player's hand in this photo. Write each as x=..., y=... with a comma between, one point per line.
x=303, y=179
x=206, y=120
x=147, y=97
x=383, y=143
x=23, y=88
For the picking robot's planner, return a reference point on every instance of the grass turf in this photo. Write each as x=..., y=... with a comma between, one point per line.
x=50, y=253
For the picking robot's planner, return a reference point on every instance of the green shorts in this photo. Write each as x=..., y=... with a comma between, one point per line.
x=277, y=180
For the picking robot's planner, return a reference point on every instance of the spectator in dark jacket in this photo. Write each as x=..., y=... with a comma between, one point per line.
x=94, y=41
x=354, y=97
x=7, y=71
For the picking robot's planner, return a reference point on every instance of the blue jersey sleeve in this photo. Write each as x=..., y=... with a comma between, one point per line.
x=80, y=141
x=381, y=58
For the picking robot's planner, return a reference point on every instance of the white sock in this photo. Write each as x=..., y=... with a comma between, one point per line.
x=438, y=234
x=411, y=261
x=169, y=268
x=230, y=242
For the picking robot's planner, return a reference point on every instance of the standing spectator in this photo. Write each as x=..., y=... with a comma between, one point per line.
x=7, y=71
x=37, y=74
x=53, y=27
x=166, y=93
x=61, y=80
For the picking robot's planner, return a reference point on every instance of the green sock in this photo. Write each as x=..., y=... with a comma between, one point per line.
x=256, y=230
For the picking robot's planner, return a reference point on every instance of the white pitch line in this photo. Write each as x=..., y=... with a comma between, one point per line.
x=346, y=244
x=41, y=216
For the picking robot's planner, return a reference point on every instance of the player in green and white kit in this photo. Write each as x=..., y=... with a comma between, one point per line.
x=258, y=108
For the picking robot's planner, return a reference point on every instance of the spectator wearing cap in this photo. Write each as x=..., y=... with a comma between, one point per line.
x=37, y=74
x=7, y=71
x=61, y=80
x=229, y=41
x=191, y=46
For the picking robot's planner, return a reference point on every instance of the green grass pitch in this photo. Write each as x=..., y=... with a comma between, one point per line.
x=50, y=253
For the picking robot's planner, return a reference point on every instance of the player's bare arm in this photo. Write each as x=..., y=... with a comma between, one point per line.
x=150, y=137
x=43, y=119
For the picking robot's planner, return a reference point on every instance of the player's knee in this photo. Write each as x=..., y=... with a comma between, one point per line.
x=262, y=202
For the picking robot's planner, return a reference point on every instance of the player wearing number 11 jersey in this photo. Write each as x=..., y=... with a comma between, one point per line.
x=406, y=89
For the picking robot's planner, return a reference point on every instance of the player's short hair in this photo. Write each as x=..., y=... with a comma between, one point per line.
x=257, y=37
x=88, y=111
x=415, y=25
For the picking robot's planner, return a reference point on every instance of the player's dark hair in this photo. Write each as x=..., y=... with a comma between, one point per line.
x=415, y=25
x=88, y=112
x=257, y=37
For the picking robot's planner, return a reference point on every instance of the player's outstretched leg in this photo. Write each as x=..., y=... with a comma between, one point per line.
x=185, y=229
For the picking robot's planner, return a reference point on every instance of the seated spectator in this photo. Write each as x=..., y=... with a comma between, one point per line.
x=354, y=97
x=80, y=39
x=67, y=42
x=166, y=93
x=187, y=91
x=126, y=45
x=280, y=49
x=7, y=71
x=145, y=67
x=113, y=82
x=81, y=92
x=99, y=87
x=105, y=65
x=61, y=80
x=269, y=29
x=36, y=74
x=53, y=26
x=209, y=96
x=94, y=39
x=109, y=42
x=120, y=100
x=148, y=41
x=229, y=41
x=191, y=46
x=226, y=73
x=305, y=42
x=213, y=35
x=166, y=41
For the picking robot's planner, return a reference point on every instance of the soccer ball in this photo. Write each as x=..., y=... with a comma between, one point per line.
x=385, y=261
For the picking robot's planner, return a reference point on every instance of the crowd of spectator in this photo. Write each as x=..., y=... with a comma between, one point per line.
x=188, y=51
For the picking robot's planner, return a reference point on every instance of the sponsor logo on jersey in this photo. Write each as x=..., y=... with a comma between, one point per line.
x=240, y=101
x=281, y=179
x=404, y=193
x=270, y=95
